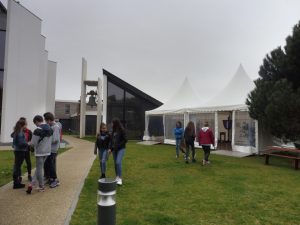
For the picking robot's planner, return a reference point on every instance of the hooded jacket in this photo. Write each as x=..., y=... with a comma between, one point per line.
x=206, y=136
x=41, y=140
x=19, y=141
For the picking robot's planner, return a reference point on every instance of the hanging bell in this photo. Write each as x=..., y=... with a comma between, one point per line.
x=92, y=101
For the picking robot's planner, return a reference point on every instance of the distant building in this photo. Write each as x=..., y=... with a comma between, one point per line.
x=27, y=77
x=126, y=102
x=120, y=100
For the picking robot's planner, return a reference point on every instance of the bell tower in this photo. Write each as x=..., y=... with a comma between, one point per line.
x=95, y=98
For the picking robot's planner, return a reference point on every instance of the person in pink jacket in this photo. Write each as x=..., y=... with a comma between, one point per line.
x=206, y=139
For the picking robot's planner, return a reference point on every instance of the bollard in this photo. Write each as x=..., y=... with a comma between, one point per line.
x=106, y=201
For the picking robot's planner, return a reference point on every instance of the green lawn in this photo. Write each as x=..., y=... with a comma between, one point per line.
x=7, y=162
x=161, y=190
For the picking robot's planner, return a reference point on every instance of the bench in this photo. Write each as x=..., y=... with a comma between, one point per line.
x=290, y=153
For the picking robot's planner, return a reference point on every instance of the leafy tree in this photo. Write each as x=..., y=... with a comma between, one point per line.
x=275, y=101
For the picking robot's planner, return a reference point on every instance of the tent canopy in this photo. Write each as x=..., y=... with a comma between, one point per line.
x=184, y=98
x=232, y=97
x=235, y=92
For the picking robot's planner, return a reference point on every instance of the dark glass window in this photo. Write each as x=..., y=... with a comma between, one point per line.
x=156, y=126
x=115, y=102
x=67, y=109
x=129, y=107
x=2, y=49
x=134, y=116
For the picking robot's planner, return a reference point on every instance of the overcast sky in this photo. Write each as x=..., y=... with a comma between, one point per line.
x=155, y=44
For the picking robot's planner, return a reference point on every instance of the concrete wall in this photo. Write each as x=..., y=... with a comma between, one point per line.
x=51, y=83
x=25, y=69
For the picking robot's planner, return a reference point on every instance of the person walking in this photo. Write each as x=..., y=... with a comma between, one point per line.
x=117, y=147
x=178, y=133
x=102, y=145
x=189, y=138
x=55, y=143
x=20, y=147
x=41, y=141
x=206, y=139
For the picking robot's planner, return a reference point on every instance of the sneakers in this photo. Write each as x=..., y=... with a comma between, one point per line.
x=119, y=181
x=205, y=162
x=41, y=189
x=53, y=184
x=18, y=185
x=29, y=189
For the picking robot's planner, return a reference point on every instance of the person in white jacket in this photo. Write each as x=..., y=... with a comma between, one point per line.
x=41, y=141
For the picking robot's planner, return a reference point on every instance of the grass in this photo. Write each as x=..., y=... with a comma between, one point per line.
x=7, y=162
x=161, y=190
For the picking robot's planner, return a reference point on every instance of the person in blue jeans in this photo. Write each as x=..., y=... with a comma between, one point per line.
x=178, y=133
x=102, y=145
x=20, y=146
x=117, y=147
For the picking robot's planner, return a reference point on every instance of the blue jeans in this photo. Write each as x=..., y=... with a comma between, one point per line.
x=118, y=156
x=103, y=156
x=178, y=141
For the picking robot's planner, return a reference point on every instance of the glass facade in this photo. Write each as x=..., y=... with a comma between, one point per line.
x=200, y=118
x=129, y=107
x=244, y=129
x=170, y=124
x=156, y=126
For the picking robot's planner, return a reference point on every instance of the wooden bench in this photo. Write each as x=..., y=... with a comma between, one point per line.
x=290, y=153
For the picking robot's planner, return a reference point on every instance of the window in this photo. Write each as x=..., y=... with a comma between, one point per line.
x=67, y=108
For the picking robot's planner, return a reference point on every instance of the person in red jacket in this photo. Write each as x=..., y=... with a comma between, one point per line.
x=206, y=139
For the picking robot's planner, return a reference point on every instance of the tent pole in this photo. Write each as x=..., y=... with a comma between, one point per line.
x=233, y=130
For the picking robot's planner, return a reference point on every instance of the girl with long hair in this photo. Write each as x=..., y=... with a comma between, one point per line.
x=189, y=138
x=20, y=146
x=117, y=146
x=102, y=145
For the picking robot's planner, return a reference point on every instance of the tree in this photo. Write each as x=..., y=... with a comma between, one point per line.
x=275, y=101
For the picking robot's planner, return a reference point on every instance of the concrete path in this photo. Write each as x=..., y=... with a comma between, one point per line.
x=54, y=206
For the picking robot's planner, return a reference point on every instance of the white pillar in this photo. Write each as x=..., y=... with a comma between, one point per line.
x=233, y=131
x=216, y=129
x=185, y=119
x=99, y=105
x=104, y=105
x=146, y=136
x=83, y=98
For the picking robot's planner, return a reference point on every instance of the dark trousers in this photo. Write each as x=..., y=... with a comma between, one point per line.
x=28, y=161
x=206, y=149
x=190, y=145
x=47, y=167
x=19, y=158
x=52, y=165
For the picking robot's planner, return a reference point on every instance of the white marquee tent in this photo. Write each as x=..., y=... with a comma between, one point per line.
x=227, y=108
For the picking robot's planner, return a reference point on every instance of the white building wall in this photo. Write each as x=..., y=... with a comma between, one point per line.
x=51, y=84
x=24, y=69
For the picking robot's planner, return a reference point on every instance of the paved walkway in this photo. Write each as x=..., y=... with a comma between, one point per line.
x=54, y=206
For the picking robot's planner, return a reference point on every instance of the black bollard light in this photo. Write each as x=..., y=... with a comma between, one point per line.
x=106, y=201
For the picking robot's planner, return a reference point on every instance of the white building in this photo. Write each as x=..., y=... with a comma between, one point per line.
x=28, y=78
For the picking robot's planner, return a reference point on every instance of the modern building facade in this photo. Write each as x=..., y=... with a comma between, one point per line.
x=126, y=102
x=27, y=77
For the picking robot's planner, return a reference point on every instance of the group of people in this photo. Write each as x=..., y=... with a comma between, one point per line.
x=114, y=143
x=185, y=139
x=44, y=142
